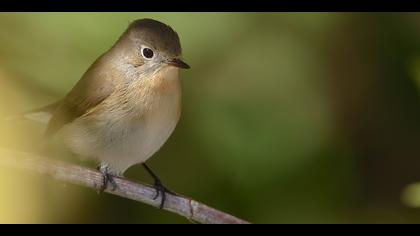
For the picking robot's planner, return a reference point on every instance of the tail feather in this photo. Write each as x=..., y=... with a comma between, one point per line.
x=42, y=114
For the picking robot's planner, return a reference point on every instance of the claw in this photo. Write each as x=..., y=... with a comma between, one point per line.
x=160, y=189
x=106, y=178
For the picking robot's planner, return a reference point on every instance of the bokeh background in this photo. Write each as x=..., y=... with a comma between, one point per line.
x=287, y=117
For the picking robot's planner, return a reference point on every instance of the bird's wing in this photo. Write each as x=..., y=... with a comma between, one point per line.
x=93, y=88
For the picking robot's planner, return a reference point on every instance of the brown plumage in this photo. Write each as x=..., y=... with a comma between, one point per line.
x=127, y=103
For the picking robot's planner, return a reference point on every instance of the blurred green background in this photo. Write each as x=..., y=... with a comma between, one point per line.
x=287, y=117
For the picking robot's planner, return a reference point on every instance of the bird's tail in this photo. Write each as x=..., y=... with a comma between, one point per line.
x=42, y=114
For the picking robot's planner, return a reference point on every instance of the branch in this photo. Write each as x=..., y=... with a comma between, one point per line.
x=83, y=176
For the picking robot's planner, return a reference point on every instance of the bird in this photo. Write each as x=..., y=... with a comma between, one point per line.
x=125, y=106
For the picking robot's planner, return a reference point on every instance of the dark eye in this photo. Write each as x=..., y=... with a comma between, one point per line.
x=147, y=53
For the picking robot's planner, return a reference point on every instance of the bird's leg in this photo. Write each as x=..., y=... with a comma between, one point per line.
x=106, y=178
x=160, y=189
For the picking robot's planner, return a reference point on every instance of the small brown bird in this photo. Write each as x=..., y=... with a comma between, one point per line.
x=126, y=105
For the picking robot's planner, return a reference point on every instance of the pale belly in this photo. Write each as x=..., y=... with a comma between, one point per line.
x=120, y=139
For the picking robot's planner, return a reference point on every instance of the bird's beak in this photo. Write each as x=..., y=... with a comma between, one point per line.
x=178, y=63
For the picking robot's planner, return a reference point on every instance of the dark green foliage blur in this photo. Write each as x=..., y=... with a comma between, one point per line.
x=287, y=117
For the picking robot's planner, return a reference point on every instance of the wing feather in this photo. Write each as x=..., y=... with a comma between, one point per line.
x=94, y=87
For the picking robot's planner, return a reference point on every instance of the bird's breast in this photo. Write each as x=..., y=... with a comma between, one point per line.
x=132, y=124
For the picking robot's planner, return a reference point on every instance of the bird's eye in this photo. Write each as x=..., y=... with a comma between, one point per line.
x=147, y=53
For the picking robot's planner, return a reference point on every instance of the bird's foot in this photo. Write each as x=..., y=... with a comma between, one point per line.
x=107, y=178
x=161, y=190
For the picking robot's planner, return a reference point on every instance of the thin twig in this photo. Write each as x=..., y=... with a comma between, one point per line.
x=83, y=176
